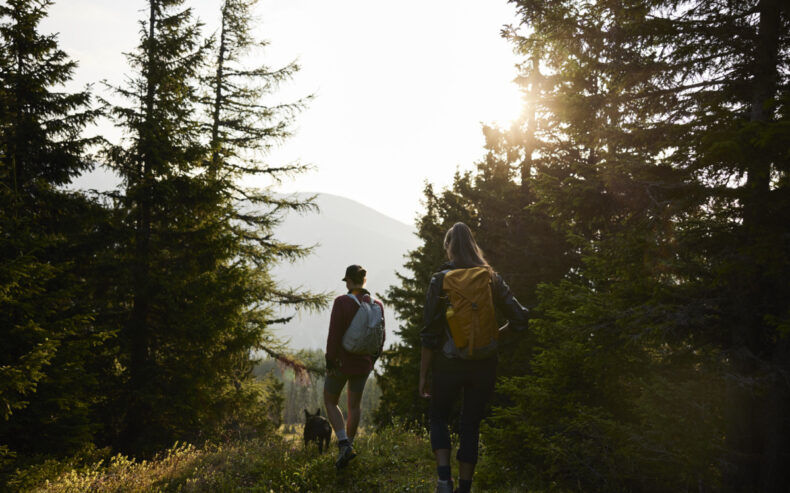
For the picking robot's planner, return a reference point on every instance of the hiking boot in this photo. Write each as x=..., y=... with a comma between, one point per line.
x=344, y=456
x=444, y=486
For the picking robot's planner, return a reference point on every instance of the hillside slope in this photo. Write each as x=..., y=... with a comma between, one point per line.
x=344, y=232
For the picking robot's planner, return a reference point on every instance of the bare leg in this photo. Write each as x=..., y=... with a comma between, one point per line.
x=333, y=412
x=354, y=413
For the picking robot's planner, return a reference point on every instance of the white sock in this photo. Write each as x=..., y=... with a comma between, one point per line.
x=341, y=435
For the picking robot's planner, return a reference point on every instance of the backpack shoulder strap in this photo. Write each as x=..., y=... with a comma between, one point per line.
x=354, y=298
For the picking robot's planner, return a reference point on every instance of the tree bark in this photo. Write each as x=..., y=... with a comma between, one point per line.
x=759, y=401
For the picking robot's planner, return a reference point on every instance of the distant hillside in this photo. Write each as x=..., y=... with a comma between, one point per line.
x=345, y=232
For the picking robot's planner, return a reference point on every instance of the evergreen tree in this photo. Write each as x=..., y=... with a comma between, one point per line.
x=201, y=296
x=166, y=346
x=242, y=127
x=47, y=367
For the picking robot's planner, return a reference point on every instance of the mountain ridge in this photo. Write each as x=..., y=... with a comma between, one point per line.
x=343, y=232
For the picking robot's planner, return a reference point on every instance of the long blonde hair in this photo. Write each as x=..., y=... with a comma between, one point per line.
x=462, y=249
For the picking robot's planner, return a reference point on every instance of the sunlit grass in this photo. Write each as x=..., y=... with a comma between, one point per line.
x=393, y=460
x=388, y=461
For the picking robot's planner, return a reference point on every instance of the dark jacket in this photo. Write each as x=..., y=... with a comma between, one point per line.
x=434, y=330
x=337, y=358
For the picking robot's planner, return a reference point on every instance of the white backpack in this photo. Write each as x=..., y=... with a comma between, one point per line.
x=366, y=332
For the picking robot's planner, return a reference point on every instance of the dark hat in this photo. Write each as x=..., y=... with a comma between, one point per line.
x=354, y=273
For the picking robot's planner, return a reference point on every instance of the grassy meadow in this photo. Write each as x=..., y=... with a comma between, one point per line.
x=392, y=460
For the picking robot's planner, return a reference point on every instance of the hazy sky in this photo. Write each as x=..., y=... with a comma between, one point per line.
x=401, y=87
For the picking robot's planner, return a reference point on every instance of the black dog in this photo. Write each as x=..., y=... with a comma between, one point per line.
x=317, y=429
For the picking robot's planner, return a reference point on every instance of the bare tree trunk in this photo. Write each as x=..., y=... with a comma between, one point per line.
x=759, y=401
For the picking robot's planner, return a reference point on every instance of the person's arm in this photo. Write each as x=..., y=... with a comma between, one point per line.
x=430, y=335
x=335, y=337
x=425, y=363
x=517, y=315
x=431, y=332
x=384, y=326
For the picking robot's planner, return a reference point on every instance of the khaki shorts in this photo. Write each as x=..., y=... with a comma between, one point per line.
x=335, y=382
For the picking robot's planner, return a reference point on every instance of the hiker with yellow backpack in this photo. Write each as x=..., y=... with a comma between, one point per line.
x=459, y=346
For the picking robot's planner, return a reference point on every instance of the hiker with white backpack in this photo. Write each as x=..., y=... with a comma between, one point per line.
x=459, y=347
x=355, y=341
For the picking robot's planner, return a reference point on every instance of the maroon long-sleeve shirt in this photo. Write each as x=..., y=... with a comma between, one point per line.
x=343, y=311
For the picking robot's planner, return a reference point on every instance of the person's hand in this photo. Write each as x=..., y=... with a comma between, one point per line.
x=424, y=389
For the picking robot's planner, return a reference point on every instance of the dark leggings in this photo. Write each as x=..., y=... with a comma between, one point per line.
x=451, y=376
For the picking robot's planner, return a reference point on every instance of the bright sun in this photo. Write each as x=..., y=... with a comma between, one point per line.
x=504, y=106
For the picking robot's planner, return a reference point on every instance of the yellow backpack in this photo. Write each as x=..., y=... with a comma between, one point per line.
x=470, y=312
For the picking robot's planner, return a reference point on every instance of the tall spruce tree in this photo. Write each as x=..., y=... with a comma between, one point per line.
x=165, y=348
x=201, y=298
x=576, y=394
x=47, y=379
x=242, y=126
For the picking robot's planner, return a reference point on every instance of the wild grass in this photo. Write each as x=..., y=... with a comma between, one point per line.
x=393, y=460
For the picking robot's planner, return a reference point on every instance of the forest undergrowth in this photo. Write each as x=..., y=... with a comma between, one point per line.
x=392, y=460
